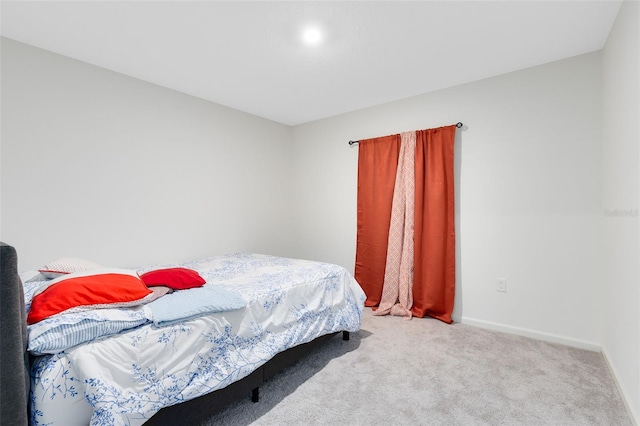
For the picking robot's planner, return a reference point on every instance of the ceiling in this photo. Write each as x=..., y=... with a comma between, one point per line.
x=250, y=55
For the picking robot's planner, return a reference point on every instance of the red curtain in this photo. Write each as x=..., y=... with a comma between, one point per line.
x=434, y=268
x=377, y=163
x=434, y=232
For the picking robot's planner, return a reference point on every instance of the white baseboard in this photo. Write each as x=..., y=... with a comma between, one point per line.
x=635, y=418
x=547, y=337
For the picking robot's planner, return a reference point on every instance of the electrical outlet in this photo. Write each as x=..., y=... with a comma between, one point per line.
x=501, y=284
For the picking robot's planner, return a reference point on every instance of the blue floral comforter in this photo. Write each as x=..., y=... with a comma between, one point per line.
x=125, y=378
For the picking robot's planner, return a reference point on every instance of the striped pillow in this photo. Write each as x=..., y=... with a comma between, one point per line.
x=64, y=331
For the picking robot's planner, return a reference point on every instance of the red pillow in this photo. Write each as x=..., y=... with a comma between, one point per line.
x=175, y=278
x=89, y=290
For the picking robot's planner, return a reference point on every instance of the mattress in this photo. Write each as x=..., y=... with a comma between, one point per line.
x=125, y=378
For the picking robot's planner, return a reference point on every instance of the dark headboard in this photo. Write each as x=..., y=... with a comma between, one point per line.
x=14, y=360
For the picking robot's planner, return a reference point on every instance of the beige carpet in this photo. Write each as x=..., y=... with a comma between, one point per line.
x=424, y=372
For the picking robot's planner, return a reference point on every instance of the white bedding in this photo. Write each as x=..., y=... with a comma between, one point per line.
x=126, y=378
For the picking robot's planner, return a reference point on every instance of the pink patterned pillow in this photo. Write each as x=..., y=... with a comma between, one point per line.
x=67, y=265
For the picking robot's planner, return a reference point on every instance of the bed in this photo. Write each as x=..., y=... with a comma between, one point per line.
x=153, y=369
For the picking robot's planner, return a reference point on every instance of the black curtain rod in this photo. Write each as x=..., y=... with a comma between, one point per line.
x=458, y=125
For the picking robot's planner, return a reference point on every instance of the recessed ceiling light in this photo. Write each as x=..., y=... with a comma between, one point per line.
x=312, y=36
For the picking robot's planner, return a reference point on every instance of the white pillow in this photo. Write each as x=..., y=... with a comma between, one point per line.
x=67, y=265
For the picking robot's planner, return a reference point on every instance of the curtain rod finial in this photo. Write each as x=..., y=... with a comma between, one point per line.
x=459, y=124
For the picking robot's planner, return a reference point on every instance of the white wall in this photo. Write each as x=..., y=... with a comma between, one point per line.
x=529, y=194
x=620, y=161
x=106, y=167
x=100, y=165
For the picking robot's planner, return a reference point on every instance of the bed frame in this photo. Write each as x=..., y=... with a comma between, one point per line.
x=14, y=378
